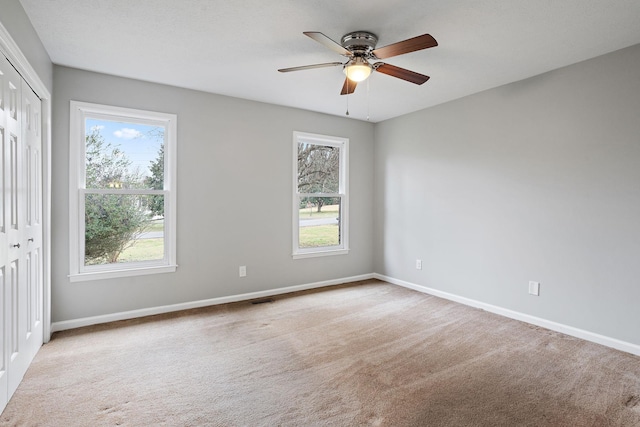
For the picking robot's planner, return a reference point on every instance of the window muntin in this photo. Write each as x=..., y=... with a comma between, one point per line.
x=320, y=200
x=122, y=185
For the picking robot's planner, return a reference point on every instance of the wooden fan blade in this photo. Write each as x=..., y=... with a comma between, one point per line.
x=348, y=87
x=309, y=67
x=401, y=73
x=327, y=42
x=410, y=45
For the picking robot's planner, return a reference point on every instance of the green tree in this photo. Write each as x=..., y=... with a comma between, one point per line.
x=112, y=221
x=156, y=182
x=318, y=172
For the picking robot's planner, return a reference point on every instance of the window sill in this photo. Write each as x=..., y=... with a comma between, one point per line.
x=301, y=255
x=112, y=274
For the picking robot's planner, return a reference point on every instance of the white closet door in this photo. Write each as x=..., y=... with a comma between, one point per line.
x=32, y=231
x=10, y=135
x=20, y=231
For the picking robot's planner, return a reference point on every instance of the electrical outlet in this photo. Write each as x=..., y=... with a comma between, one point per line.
x=534, y=288
x=243, y=271
x=418, y=264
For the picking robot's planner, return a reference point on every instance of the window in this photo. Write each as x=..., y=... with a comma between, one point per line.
x=122, y=192
x=320, y=195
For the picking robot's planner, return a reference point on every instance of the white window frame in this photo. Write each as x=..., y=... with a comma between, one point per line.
x=343, y=193
x=79, y=112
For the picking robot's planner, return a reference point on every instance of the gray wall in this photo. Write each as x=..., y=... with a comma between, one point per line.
x=15, y=20
x=234, y=197
x=536, y=180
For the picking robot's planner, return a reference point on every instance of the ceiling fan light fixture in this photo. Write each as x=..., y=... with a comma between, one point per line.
x=358, y=69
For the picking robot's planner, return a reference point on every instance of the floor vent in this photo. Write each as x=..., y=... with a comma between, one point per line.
x=262, y=301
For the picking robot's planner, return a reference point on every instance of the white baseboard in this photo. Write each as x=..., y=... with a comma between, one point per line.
x=558, y=327
x=95, y=320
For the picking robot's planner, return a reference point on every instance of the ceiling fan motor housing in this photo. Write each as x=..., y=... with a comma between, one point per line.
x=361, y=43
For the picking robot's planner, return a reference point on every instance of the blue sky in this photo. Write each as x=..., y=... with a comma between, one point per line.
x=139, y=142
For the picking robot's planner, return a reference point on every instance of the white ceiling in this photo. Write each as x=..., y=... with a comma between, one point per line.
x=234, y=47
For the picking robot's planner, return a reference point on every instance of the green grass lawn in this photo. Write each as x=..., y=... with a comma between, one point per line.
x=156, y=225
x=143, y=250
x=318, y=236
x=329, y=211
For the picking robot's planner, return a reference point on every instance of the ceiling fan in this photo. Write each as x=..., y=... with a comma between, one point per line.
x=360, y=48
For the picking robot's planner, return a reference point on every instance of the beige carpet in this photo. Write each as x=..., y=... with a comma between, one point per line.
x=363, y=354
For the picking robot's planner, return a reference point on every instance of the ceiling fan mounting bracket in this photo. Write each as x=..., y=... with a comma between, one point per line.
x=361, y=43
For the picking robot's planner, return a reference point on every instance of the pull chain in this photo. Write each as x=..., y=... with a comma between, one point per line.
x=347, y=97
x=368, y=98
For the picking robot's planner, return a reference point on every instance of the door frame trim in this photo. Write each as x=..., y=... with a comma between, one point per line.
x=10, y=49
